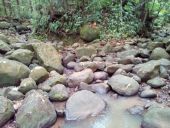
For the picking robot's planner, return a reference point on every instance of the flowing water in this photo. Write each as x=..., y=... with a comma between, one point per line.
x=115, y=116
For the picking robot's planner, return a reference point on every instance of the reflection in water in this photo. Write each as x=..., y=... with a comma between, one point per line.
x=115, y=116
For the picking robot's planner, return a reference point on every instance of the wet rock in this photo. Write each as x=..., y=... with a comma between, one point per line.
x=4, y=47
x=6, y=110
x=156, y=118
x=39, y=74
x=159, y=53
x=22, y=55
x=83, y=104
x=48, y=56
x=76, y=78
x=124, y=85
x=11, y=72
x=148, y=93
x=100, y=75
x=156, y=82
x=58, y=93
x=15, y=95
x=35, y=112
x=85, y=51
x=100, y=88
x=26, y=85
x=147, y=70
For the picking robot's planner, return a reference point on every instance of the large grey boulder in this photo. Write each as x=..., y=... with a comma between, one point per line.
x=4, y=47
x=22, y=55
x=6, y=110
x=83, y=104
x=159, y=53
x=157, y=118
x=11, y=72
x=124, y=85
x=76, y=78
x=36, y=112
x=156, y=82
x=147, y=70
x=48, y=56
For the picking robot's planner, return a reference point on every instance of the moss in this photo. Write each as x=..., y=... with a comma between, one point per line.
x=89, y=33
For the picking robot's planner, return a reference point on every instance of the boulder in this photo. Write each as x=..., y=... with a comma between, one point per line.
x=36, y=111
x=85, y=51
x=48, y=56
x=6, y=110
x=156, y=82
x=11, y=72
x=159, y=53
x=4, y=47
x=148, y=93
x=156, y=118
x=4, y=25
x=22, y=55
x=58, y=93
x=124, y=85
x=39, y=74
x=15, y=95
x=76, y=78
x=83, y=104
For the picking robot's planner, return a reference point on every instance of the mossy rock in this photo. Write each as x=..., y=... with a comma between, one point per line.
x=4, y=25
x=89, y=33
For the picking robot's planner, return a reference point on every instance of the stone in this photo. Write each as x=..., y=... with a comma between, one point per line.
x=4, y=47
x=84, y=58
x=36, y=111
x=154, y=44
x=4, y=25
x=156, y=117
x=168, y=48
x=100, y=75
x=22, y=55
x=123, y=85
x=159, y=53
x=136, y=110
x=76, y=78
x=100, y=88
x=88, y=64
x=39, y=74
x=48, y=56
x=83, y=104
x=71, y=65
x=89, y=33
x=156, y=82
x=4, y=38
x=11, y=72
x=148, y=93
x=15, y=95
x=58, y=93
x=68, y=58
x=147, y=70
x=85, y=51
x=6, y=110
x=26, y=85
x=127, y=53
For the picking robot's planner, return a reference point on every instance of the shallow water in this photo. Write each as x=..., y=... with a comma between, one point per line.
x=115, y=116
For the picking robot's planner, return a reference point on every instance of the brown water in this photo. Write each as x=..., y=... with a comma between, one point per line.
x=115, y=116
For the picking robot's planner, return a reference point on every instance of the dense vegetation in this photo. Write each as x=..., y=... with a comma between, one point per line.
x=118, y=18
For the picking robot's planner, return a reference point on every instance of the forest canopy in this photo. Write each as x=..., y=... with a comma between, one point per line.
x=118, y=18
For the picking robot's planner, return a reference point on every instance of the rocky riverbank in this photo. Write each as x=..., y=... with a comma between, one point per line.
x=42, y=83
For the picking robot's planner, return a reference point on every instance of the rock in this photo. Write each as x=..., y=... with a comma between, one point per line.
x=83, y=104
x=39, y=74
x=85, y=51
x=4, y=25
x=48, y=56
x=58, y=93
x=35, y=112
x=120, y=71
x=124, y=85
x=156, y=118
x=153, y=45
x=163, y=72
x=76, y=78
x=68, y=58
x=15, y=95
x=89, y=33
x=71, y=65
x=4, y=47
x=100, y=88
x=22, y=55
x=6, y=110
x=100, y=75
x=131, y=52
x=108, y=48
x=88, y=64
x=148, y=93
x=156, y=82
x=26, y=85
x=147, y=70
x=168, y=48
x=111, y=68
x=4, y=39
x=136, y=110
x=54, y=79
x=11, y=72
x=85, y=58
x=159, y=53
